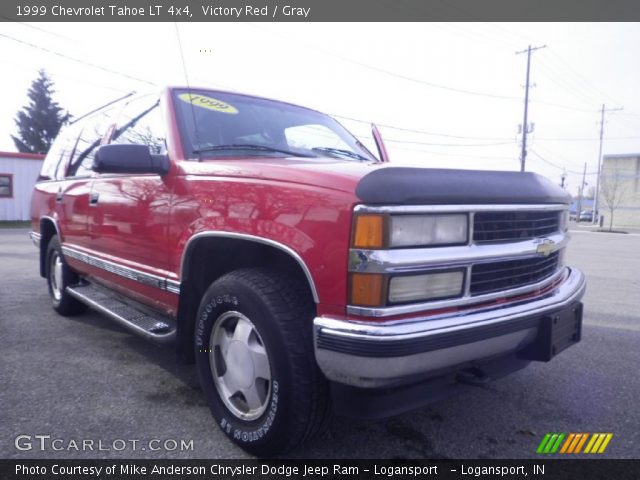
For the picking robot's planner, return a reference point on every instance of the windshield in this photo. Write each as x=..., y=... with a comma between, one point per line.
x=219, y=124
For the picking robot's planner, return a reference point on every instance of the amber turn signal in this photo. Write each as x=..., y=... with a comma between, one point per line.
x=368, y=231
x=367, y=290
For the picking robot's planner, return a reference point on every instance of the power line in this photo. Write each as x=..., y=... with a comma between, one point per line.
x=423, y=132
x=582, y=139
x=84, y=81
x=548, y=162
x=44, y=30
x=449, y=154
x=83, y=62
x=391, y=140
x=399, y=75
x=347, y=118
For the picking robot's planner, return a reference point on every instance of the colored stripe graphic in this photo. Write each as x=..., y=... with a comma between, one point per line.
x=598, y=443
x=604, y=445
x=567, y=442
x=543, y=443
x=572, y=443
x=581, y=442
x=550, y=443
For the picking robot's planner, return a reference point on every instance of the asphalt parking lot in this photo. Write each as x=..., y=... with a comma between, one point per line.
x=86, y=378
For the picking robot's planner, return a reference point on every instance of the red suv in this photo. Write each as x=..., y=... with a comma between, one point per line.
x=299, y=272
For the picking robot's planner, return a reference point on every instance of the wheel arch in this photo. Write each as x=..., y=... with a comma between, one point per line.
x=48, y=228
x=209, y=255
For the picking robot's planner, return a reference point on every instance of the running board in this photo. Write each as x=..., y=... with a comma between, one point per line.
x=158, y=329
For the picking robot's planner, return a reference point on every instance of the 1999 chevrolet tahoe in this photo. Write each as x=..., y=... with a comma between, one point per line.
x=300, y=272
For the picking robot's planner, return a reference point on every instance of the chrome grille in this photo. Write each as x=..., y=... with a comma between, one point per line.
x=509, y=226
x=496, y=276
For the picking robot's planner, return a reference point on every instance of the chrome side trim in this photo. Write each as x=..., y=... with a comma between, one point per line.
x=144, y=278
x=251, y=238
x=456, y=208
x=173, y=286
x=416, y=259
x=35, y=238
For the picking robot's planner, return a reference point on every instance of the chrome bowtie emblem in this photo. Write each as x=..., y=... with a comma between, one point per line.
x=545, y=247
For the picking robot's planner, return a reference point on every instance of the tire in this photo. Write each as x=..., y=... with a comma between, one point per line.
x=59, y=276
x=255, y=359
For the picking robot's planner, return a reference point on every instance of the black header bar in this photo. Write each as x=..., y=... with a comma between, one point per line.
x=318, y=10
x=585, y=469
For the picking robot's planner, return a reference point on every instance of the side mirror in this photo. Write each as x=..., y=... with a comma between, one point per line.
x=129, y=158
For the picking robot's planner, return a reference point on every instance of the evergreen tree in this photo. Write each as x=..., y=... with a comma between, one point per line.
x=39, y=122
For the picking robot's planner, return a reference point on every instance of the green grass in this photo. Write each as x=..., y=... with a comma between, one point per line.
x=15, y=224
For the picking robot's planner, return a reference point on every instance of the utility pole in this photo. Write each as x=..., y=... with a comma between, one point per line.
x=525, y=126
x=580, y=190
x=563, y=179
x=596, y=207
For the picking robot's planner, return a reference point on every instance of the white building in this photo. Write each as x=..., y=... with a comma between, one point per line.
x=18, y=175
x=620, y=189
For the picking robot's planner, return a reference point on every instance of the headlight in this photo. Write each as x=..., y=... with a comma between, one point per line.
x=430, y=286
x=375, y=231
x=427, y=230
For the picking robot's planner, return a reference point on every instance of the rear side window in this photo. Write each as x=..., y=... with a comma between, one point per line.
x=55, y=162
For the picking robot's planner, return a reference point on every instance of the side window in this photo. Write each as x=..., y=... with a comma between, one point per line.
x=94, y=129
x=141, y=123
x=55, y=161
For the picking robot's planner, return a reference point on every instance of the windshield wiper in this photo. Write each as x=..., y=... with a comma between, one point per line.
x=248, y=146
x=339, y=151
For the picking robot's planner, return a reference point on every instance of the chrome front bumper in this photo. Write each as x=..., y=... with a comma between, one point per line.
x=380, y=354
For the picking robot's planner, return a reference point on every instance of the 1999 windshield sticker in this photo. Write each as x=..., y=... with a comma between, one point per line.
x=209, y=103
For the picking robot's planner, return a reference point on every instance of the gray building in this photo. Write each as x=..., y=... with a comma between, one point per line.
x=620, y=190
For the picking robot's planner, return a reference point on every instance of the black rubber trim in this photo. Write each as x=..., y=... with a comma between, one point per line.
x=431, y=186
x=366, y=347
x=378, y=403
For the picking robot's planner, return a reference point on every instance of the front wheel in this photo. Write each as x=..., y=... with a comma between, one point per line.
x=255, y=360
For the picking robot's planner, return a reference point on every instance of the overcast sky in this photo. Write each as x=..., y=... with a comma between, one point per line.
x=454, y=91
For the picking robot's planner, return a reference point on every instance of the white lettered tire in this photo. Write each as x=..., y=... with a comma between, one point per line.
x=254, y=356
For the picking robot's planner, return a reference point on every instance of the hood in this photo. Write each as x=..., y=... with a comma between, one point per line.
x=384, y=184
x=321, y=172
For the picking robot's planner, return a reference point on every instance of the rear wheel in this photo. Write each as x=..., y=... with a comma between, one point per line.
x=59, y=277
x=255, y=360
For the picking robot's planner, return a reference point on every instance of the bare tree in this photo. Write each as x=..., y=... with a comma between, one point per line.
x=613, y=191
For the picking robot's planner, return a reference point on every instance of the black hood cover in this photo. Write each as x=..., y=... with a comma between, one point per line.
x=434, y=186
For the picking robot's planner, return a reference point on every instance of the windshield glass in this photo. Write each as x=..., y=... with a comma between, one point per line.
x=219, y=124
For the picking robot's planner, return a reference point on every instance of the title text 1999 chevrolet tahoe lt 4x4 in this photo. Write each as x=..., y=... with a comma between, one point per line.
x=301, y=273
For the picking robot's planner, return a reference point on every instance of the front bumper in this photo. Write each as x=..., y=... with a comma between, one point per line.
x=373, y=355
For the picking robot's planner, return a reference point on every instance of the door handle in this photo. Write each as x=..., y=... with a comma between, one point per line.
x=93, y=198
x=59, y=196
